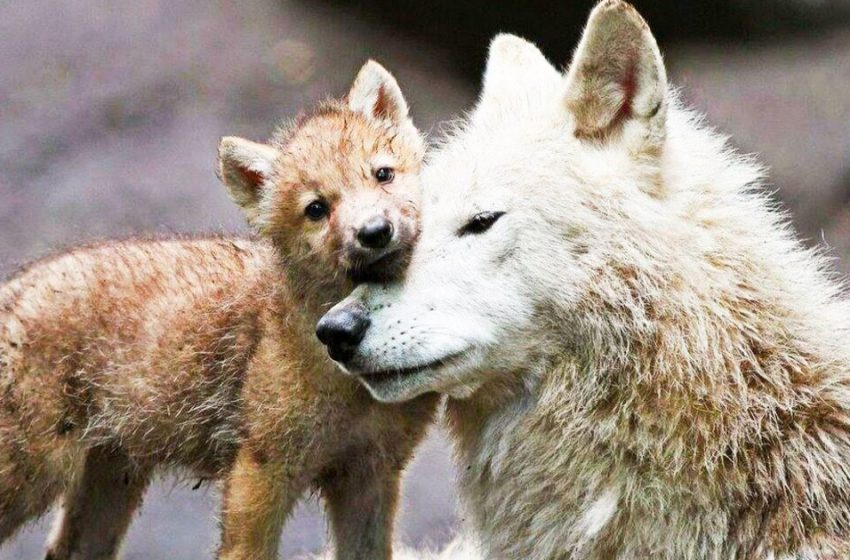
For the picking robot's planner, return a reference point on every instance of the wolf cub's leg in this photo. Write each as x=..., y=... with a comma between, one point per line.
x=98, y=507
x=361, y=499
x=27, y=487
x=258, y=496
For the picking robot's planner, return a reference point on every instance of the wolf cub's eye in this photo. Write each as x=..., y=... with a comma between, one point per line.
x=384, y=174
x=316, y=210
x=480, y=222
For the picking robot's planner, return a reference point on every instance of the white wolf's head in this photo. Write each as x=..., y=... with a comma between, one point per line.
x=524, y=207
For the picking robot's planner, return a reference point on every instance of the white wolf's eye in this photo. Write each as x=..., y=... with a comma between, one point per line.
x=480, y=222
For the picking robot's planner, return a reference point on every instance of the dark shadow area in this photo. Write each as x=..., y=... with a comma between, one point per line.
x=465, y=27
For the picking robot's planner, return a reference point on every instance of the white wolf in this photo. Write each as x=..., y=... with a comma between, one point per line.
x=641, y=359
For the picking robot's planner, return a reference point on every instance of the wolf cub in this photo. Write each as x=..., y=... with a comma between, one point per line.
x=129, y=357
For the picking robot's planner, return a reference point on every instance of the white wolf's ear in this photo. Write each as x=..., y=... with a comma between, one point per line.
x=375, y=93
x=617, y=76
x=516, y=71
x=243, y=167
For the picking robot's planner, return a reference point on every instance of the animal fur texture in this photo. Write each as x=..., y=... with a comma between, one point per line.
x=461, y=548
x=642, y=359
x=125, y=358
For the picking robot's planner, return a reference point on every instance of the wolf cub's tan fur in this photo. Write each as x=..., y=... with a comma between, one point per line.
x=124, y=358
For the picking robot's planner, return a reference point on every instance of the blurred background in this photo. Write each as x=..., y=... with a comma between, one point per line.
x=110, y=114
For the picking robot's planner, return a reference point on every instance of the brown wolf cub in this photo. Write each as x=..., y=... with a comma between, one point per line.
x=127, y=357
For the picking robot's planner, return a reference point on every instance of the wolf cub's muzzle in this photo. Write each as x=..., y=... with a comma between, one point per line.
x=376, y=233
x=342, y=330
x=379, y=251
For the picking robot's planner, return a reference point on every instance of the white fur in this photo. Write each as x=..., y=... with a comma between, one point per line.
x=461, y=548
x=600, y=512
x=632, y=336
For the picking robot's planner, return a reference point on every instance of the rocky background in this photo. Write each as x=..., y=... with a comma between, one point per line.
x=110, y=114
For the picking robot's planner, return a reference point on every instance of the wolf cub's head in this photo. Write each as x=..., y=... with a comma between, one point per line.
x=338, y=192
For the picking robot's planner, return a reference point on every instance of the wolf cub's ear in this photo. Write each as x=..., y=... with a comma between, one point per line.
x=243, y=167
x=376, y=94
x=617, y=77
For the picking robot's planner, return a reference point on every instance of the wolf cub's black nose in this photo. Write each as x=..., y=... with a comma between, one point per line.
x=341, y=330
x=376, y=233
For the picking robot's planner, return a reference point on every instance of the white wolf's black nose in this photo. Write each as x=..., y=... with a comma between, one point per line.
x=341, y=330
x=376, y=233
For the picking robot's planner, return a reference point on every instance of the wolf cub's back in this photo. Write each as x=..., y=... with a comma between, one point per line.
x=137, y=334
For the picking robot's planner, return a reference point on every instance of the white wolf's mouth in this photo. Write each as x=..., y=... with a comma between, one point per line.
x=400, y=372
x=391, y=383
